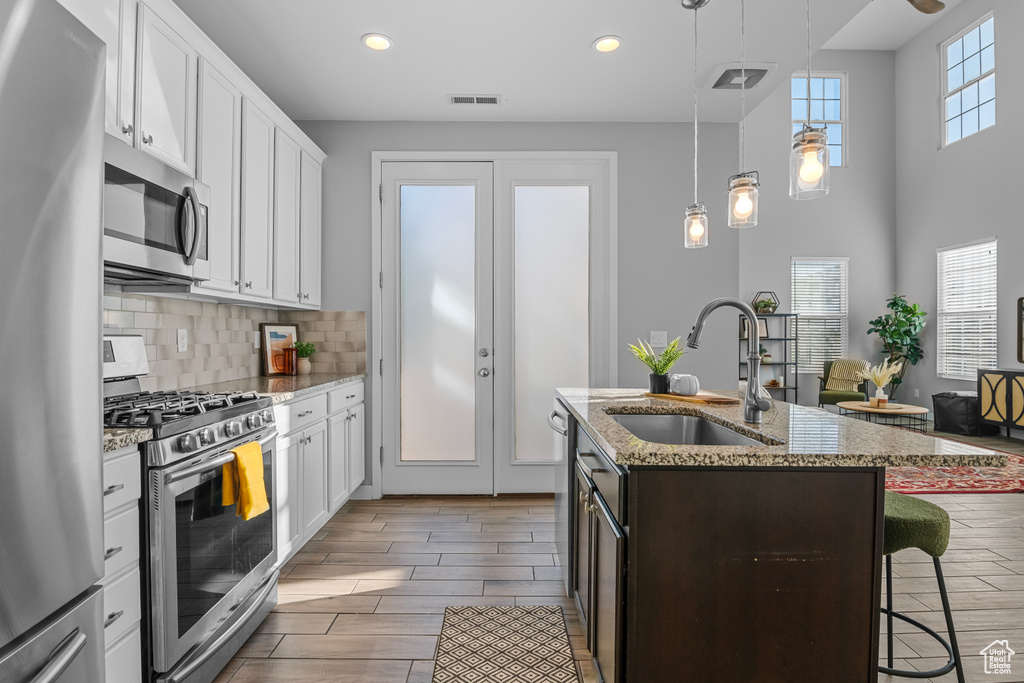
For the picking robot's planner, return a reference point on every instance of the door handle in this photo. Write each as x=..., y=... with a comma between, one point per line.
x=190, y=227
x=484, y=353
x=114, y=488
x=561, y=429
x=484, y=372
x=111, y=552
x=62, y=658
x=112, y=617
x=305, y=413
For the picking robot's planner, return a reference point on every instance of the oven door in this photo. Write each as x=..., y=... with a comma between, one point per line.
x=204, y=560
x=154, y=218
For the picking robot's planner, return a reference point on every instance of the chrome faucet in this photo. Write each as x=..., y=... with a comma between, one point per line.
x=753, y=405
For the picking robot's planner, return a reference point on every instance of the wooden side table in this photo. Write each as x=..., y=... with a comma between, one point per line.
x=914, y=418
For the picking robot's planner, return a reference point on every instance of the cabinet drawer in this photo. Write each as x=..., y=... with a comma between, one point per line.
x=122, y=481
x=120, y=541
x=122, y=607
x=344, y=397
x=297, y=415
x=124, y=658
x=609, y=478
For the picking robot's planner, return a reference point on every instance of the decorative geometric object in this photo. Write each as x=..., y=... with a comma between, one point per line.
x=499, y=644
x=762, y=308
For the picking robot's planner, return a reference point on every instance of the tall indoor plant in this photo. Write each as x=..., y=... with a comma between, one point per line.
x=659, y=364
x=900, y=333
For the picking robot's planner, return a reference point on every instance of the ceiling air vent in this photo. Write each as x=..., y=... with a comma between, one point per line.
x=475, y=99
x=729, y=76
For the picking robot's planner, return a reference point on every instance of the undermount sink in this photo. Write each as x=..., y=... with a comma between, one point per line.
x=682, y=429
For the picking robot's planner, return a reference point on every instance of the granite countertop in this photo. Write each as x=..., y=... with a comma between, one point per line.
x=280, y=389
x=793, y=435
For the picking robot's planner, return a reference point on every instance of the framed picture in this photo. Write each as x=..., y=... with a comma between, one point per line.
x=274, y=339
x=762, y=328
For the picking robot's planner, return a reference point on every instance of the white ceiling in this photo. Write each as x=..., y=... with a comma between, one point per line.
x=884, y=25
x=307, y=55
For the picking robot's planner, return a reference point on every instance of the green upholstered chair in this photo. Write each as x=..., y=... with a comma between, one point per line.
x=915, y=523
x=830, y=398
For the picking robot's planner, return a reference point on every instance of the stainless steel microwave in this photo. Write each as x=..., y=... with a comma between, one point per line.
x=154, y=219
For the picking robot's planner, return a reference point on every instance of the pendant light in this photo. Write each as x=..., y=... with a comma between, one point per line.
x=695, y=225
x=743, y=186
x=808, y=162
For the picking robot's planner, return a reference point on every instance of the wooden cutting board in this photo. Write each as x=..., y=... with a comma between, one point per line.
x=700, y=397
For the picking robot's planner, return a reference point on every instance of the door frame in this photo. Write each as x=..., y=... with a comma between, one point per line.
x=604, y=371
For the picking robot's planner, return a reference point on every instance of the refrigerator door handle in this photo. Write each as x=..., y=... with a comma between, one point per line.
x=62, y=658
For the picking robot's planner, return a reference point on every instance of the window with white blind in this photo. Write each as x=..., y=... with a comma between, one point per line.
x=819, y=294
x=967, y=309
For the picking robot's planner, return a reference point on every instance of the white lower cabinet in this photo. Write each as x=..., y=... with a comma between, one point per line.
x=320, y=462
x=122, y=589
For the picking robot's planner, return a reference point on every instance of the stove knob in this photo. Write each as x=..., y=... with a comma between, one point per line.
x=268, y=416
x=188, y=443
x=207, y=437
x=233, y=429
x=255, y=421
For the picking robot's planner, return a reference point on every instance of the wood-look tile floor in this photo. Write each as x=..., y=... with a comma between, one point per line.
x=363, y=601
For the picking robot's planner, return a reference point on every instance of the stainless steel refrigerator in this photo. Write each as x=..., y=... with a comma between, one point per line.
x=51, y=184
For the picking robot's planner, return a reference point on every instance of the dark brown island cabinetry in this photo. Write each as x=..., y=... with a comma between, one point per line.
x=724, y=574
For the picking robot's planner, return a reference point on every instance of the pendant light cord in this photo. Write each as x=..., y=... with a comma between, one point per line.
x=808, y=63
x=695, y=106
x=743, y=83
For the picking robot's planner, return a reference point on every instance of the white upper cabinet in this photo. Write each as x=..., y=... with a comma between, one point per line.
x=309, y=231
x=167, y=87
x=257, y=201
x=114, y=22
x=286, y=220
x=219, y=165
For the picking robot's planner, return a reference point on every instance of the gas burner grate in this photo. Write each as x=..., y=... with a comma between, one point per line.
x=154, y=408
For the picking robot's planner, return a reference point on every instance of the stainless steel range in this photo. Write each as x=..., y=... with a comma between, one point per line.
x=210, y=574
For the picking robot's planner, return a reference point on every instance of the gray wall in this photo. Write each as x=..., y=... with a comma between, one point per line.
x=858, y=217
x=964, y=192
x=661, y=285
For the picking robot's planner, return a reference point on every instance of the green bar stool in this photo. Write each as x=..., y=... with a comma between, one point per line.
x=915, y=523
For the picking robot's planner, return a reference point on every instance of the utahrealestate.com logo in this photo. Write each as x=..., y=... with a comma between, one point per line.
x=997, y=657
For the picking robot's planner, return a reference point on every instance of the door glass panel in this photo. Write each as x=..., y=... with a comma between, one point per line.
x=552, y=303
x=215, y=549
x=438, y=322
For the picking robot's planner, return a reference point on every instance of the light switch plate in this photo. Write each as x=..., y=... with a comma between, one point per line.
x=659, y=339
x=182, y=340
x=256, y=338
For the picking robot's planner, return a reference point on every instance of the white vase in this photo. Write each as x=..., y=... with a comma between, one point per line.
x=304, y=366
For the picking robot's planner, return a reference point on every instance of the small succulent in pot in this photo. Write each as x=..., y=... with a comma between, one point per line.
x=659, y=364
x=304, y=349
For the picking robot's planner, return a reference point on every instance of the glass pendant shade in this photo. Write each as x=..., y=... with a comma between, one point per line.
x=809, y=164
x=743, y=200
x=695, y=226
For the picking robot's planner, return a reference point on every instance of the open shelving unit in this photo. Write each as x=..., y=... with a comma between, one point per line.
x=782, y=343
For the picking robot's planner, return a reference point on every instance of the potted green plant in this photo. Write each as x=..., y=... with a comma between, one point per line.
x=304, y=350
x=765, y=303
x=900, y=334
x=766, y=357
x=659, y=364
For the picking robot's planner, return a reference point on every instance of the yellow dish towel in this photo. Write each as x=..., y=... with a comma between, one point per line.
x=243, y=482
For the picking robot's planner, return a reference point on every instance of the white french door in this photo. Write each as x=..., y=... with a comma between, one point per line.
x=494, y=292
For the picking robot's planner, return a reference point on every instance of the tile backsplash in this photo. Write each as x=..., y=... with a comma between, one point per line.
x=221, y=337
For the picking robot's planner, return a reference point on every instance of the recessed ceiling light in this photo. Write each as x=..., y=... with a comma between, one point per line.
x=607, y=43
x=376, y=41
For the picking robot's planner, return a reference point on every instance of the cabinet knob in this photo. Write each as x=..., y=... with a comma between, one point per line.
x=484, y=372
x=305, y=296
x=300, y=296
x=147, y=139
x=248, y=285
x=237, y=282
x=128, y=130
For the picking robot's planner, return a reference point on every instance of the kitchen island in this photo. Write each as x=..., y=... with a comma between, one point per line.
x=707, y=562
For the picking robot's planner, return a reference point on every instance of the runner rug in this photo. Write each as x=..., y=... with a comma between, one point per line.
x=1009, y=479
x=504, y=645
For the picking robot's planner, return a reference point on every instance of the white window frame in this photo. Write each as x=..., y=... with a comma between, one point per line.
x=944, y=81
x=844, y=117
x=843, y=316
x=988, y=311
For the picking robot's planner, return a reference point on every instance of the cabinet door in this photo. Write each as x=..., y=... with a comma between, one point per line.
x=286, y=219
x=287, y=494
x=314, y=479
x=219, y=165
x=581, y=550
x=257, y=201
x=992, y=390
x=166, y=93
x=608, y=558
x=337, y=459
x=114, y=22
x=356, y=446
x=309, y=231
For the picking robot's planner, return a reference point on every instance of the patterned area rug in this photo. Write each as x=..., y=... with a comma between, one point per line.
x=1009, y=479
x=504, y=645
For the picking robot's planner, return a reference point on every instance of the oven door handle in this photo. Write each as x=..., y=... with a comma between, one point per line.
x=213, y=463
x=213, y=648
